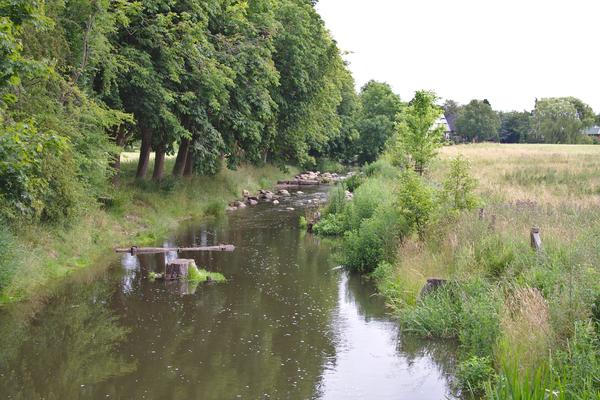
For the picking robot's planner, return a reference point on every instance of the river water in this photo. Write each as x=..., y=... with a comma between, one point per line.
x=288, y=324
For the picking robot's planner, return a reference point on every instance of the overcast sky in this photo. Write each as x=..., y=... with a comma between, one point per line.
x=508, y=51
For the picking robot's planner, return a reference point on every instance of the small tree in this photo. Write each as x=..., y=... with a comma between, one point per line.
x=459, y=186
x=418, y=136
x=416, y=201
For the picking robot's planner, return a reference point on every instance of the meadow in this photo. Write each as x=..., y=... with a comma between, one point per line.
x=528, y=322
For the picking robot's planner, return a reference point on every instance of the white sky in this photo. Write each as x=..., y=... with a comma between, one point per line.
x=508, y=51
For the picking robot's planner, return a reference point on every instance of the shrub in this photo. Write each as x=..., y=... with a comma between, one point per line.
x=353, y=182
x=459, y=186
x=474, y=373
x=416, y=201
x=373, y=193
x=330, y=225
x=337, y=201
x=374, y=241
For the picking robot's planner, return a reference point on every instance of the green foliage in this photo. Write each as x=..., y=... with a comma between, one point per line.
x=36, y=174
x=202, y=275
x=375, y=119
x=353, y=182
x=302, y=222
x=374, y=241
x=330, y=225
x=416, y=201
x=215, y=208
x=458, y=188
x=478, y=121
x=560, y=120
x=495, y=255
x=474, y=373
x=514, y=126
x=10, y=256
x=417, y=136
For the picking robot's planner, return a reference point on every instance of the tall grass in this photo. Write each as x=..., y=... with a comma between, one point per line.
x=509, y=307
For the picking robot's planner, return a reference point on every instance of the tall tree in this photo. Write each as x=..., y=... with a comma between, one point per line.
x=418, y=136
x=478, y=121
x=379, y=106
x=557, y=120
x=515, y=126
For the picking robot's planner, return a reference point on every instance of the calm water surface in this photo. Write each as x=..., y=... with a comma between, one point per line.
x=287, y=325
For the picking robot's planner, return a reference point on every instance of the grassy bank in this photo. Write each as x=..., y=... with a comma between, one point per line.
x=34, y=257
x=527, y=322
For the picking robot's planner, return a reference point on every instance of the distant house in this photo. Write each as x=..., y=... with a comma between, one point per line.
x=443, y=122
x=593, y=132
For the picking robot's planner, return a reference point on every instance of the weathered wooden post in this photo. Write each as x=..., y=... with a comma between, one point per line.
x=536, y=240
x=177, y=269
x=482, y=213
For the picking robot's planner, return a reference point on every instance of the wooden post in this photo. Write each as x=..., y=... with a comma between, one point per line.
x=481, y=213
x=177, y=269
x=536, y=240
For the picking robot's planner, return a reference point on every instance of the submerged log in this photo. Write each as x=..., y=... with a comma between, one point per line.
x=146, y=250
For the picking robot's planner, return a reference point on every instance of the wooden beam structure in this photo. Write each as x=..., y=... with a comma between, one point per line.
x=149, y=250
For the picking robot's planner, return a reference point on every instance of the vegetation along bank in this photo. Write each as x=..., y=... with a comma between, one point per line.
x=528, y=322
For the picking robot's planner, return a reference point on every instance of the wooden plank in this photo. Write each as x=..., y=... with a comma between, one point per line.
x=147, y=250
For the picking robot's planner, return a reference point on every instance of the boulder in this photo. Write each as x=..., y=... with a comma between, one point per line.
x=231, y=208
x=299, y=192
x=432, y=285
x=252, y=202
x=283, y=192
x=245, y=193
x=275, y=202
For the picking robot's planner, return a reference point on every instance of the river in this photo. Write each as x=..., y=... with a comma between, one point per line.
x=288, y=324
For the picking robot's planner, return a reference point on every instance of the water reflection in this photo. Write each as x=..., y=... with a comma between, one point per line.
x=367, y=362
x=285, y=326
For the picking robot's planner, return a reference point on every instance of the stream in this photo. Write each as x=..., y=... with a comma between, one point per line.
x=288, y=324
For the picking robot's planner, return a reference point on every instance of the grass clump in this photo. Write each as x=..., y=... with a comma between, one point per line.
x=202, y=275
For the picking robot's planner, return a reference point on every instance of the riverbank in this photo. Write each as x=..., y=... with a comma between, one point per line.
x=527, y=322
x=33, y=258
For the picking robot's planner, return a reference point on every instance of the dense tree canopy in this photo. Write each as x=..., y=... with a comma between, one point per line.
x=478, y=121
x=376, y=119
x=209, y=80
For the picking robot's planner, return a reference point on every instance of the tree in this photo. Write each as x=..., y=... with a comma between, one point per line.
x=478, y=121
x=418, y=137
x=557, y=120
x=379, y=106
x=515, y=126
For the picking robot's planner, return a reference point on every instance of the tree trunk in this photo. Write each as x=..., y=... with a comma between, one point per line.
x=116, y=157
x=189, y=164
x=181, y=159
x=159, y=163
x=144, y=153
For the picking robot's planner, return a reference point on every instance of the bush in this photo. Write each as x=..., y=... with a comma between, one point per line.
x=373, y=193
x=353, y=182
x=458, y=191
x=474, y=373
x=374, y=241
x=416, y=201
x=330, y=225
